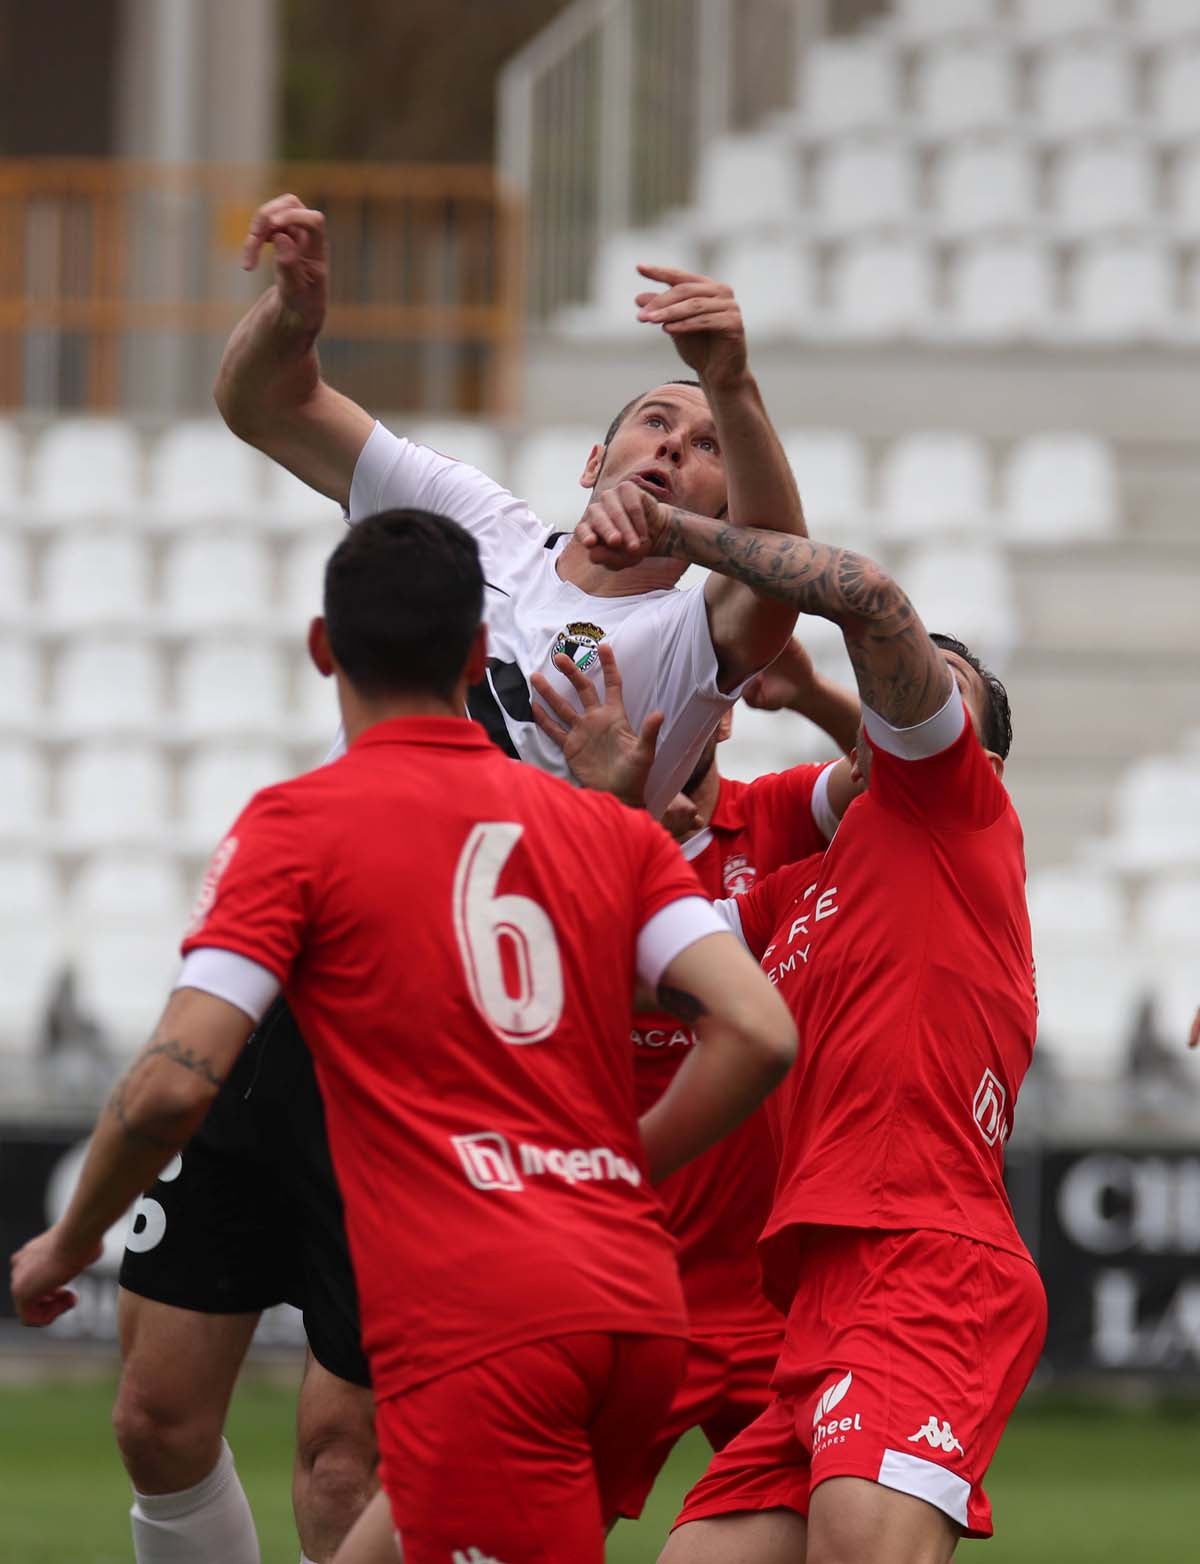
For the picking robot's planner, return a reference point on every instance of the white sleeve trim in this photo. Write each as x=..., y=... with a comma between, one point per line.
x=226, y=975
x=728, y=911
x=926, y=738
x=679, y=924
x=825, y=816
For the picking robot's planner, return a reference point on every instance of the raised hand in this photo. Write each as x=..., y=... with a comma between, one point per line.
x=297, y=234
x=599, y=743
x=622, y=526
x=703, y=320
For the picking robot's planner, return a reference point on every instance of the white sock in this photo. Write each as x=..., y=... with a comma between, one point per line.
x=208, y=1524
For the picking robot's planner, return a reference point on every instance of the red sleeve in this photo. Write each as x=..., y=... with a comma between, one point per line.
x=666, y=875
x=779, y=811
x=255, y=896
x=761, y=907
x=956, y=789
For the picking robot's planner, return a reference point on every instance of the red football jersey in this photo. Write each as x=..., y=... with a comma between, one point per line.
x=905, y=957
x=717, y=1205
x=458, y=934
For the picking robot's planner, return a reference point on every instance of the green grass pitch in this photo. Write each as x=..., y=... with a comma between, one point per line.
x=1072, y=1484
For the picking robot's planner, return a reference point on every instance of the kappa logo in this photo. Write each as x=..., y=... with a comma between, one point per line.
x=939, y=1437
x=473, y=1556
x=580, y=642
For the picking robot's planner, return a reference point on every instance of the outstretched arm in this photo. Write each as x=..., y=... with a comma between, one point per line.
x=900, y=673
x=269, y=388
x=704, y=322
x=155, y=1108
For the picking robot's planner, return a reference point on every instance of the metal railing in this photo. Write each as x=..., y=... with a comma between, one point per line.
x=605, y=114
x=119, y=282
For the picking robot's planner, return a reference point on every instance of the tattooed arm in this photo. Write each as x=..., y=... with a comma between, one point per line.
x=900, y=673
x=155, y=1108
x=747, y=1044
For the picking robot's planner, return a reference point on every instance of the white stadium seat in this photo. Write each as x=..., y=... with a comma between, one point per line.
x=1059, y=488
x=966, y=590
x=113, y=793
x=616, y=281
x=1185, y=194
x=1042, y=20
x=127, y=914
x=746, y=180
x=1087, y=87
x=106, y=685
x=218, y=783
x=883, y=289
x=24, y=790
x=1123, y=291
x=1167, y=921
x=1163, y=22
x=1002, y=289
x=304, y=583
x=983, y=186
x=216, y=579
x=29, y=945
x=546, y=468
x=933, y=484
x=14, y=579
x=924, y=19
x=848, y=84
x=11, y=457
x=199, y=471
x=1101, y=186
x=774, y=281
x=966, y=86
x=290, y=506
x=234, y=685
x=1085, y=976
x=21, y=705
x=94, y=579
x=865, y=184
x=831, y=473
x=1156, y=816
x=1175, y=93
x=85, y=468
x=475, y=444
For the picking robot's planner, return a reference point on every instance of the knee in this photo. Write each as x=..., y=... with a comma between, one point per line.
x=336, y=1469
x=165, y=1443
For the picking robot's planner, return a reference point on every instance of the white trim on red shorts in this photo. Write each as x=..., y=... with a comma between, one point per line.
x=911, y=1474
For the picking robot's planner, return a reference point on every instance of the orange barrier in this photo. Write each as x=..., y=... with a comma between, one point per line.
x=99, y=260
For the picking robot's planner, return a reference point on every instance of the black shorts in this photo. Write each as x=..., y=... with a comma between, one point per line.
x=250, y=1215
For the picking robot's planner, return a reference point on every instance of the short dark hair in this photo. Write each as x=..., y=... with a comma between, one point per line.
x=997, y=714
x=403, y=601
x=629, y=406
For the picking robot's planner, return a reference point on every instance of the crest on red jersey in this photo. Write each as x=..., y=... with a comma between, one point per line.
x=739, y=874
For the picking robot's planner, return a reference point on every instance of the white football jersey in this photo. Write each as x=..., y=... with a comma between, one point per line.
x=661, y=639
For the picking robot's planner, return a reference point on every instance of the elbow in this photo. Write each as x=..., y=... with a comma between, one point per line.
x=774, y=1040
x=170, y=1111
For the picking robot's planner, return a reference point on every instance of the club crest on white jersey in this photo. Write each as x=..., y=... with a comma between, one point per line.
x=580, y=642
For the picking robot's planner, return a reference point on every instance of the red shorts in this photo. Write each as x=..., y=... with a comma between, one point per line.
x=903, y=1358
x=523, y=1456
x=726, y=1385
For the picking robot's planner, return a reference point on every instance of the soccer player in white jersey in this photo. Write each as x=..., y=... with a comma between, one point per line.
x=707, y=445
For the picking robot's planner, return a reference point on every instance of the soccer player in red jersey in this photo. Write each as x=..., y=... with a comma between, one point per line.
x=915, y=1315
x=459, y=936
x=716, y=1207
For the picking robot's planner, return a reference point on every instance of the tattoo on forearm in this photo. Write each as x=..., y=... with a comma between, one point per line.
x=900, y=672
x=120, y=1105
x=680, y=1003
